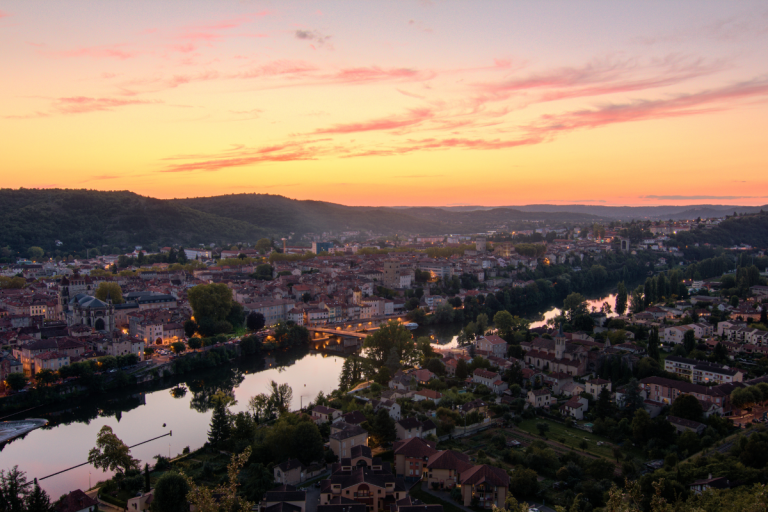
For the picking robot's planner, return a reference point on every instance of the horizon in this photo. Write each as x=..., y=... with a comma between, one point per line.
x=428, y=104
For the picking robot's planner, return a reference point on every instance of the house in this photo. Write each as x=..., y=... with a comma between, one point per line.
x=365, y=480
x=595, y=386
x=702, y=372
x=666, y=391
x=492, y=345
x=444, y=467
x=539, y=397
x=284, y=498
x=575, y=407
x=141, y=503
x=422, y=376
x=353, y=418
x=290, y=472
x=427, y=394
x=490, y=379
x=322, y=414
x=557, y=380
x=411, y=427
x=411, y=456
x=675, y=334
x=699, y=486
x=572, y=389
x=684, y=425
x=392, y=407
x=342, y=441
x=487, y=485
x=475, y=405
x=77, y=501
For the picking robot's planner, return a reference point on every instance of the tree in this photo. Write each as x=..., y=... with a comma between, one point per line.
x=482, y=324
x=35, y=253
x=543, y=428
x=689, y=340
x=687, y=407
x=255, y=321
x=383, y=427
x=641, y=426
x=264, y=272
x=524, y=482
x=603, y=407
x=391, y=336
x=444, y=314
x=45, y=377
x=109, y=290
x=212, y=301
x=250, y=345
x=263, y=245
x=653, y=345
x=411, y=304
x=257, y=480
x=261, y=407
x=38, y=500
x=178, y=347
x=504, y=321
x=462, y=369
x=633, y=400
x=244, y=427
x=195, y=343
x=16, y=381
x=281, y=396
x=575, y=305
x=307, y=442
x=14, y=490
x=170, y=495
x=637, y=304
x=221, y=424
x=111, y=453
x=190, y=328
x=223, y=497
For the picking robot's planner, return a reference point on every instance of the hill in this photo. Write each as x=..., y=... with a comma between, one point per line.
x=688, y=212
x=89, y=218
x=748, y=229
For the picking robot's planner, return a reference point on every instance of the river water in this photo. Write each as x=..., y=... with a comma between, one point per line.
x=140, y=415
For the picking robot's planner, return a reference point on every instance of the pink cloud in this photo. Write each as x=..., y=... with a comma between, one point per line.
x=83, y=104
x=113, y=51
x=414, y=116
x=4, y=14
x=682, y=105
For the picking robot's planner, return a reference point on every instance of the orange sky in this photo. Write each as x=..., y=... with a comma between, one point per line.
x=390, y=103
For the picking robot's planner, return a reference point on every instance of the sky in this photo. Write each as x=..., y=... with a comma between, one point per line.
x=390, y=103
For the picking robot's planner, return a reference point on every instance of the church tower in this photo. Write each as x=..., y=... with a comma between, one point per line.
x=560, y=343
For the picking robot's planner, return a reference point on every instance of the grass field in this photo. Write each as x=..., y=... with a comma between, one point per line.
x=418, y=493
x=572, y=437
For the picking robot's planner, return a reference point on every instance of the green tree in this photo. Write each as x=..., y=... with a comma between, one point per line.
x=603, y=407
x=575, y=305
x=35, y=253
x=264, y=272
x=45, y=377
x=195, y=343
x=109, y=290
x=38, y=500
x=653, y=345
x=224, y=497
x=190, y=328
x=637, y=304
x=170, y=495
x=482, y=324
x=212, y=301
x=641, y=426
x=543, y=428
x=689, y=340
x=307, y=442
x=263, y=245
x=14, y=490
x=111, y=453
x=633, y=400
x=250, y=345
x=178, y=347
x=221, y=424
x=16, y=381
x=688, y=407
x=462, y=369
x=444, y=314
x=392, y=336
x=281, y=396
x=255, y=321
x=524, y=483
x=257, y=480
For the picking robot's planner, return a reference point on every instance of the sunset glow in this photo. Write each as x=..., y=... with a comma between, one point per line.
x=391, y=103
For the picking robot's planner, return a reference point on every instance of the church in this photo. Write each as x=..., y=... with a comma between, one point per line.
x=83, y=309
x=556, y=355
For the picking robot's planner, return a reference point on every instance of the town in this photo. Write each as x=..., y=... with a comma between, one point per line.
x=664, y=386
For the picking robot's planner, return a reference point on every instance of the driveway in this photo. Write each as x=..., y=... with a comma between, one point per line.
x=313, y=497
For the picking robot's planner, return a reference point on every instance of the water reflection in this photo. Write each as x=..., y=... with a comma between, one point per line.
x=156, y=409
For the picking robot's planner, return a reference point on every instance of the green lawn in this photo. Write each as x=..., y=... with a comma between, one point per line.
x=572, y=436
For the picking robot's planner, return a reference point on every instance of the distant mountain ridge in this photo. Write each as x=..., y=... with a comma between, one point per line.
x=81, y=219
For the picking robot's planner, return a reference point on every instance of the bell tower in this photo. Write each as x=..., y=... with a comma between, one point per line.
x=560, y=343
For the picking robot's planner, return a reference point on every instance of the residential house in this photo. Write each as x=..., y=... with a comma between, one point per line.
x=284, y=498
x=77, y=501
x=342, y=441
x=427, y=394
x=290, y=472
x=486, y=485
x=492, y=345
x=684, y=425
x=322, y=414
x=411, y=427
x=411, y=457
x=575, y=407
x=490, y=379
x=539, y=397
x=596, y=386
x=444, y=467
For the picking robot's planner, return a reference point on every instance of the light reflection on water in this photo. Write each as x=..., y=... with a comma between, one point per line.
x=45, y=451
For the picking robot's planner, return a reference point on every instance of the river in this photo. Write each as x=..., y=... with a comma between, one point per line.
x=139, y=415
x=446, y=335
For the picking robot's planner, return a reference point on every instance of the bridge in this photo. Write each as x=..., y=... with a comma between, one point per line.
x=338, y=332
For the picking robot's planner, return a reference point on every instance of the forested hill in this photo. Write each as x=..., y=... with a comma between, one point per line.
x=279, y=213
x=88, y=218
x=746, y=229
x=83, y=219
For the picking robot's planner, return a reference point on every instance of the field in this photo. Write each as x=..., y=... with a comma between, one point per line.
x=571, y=436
